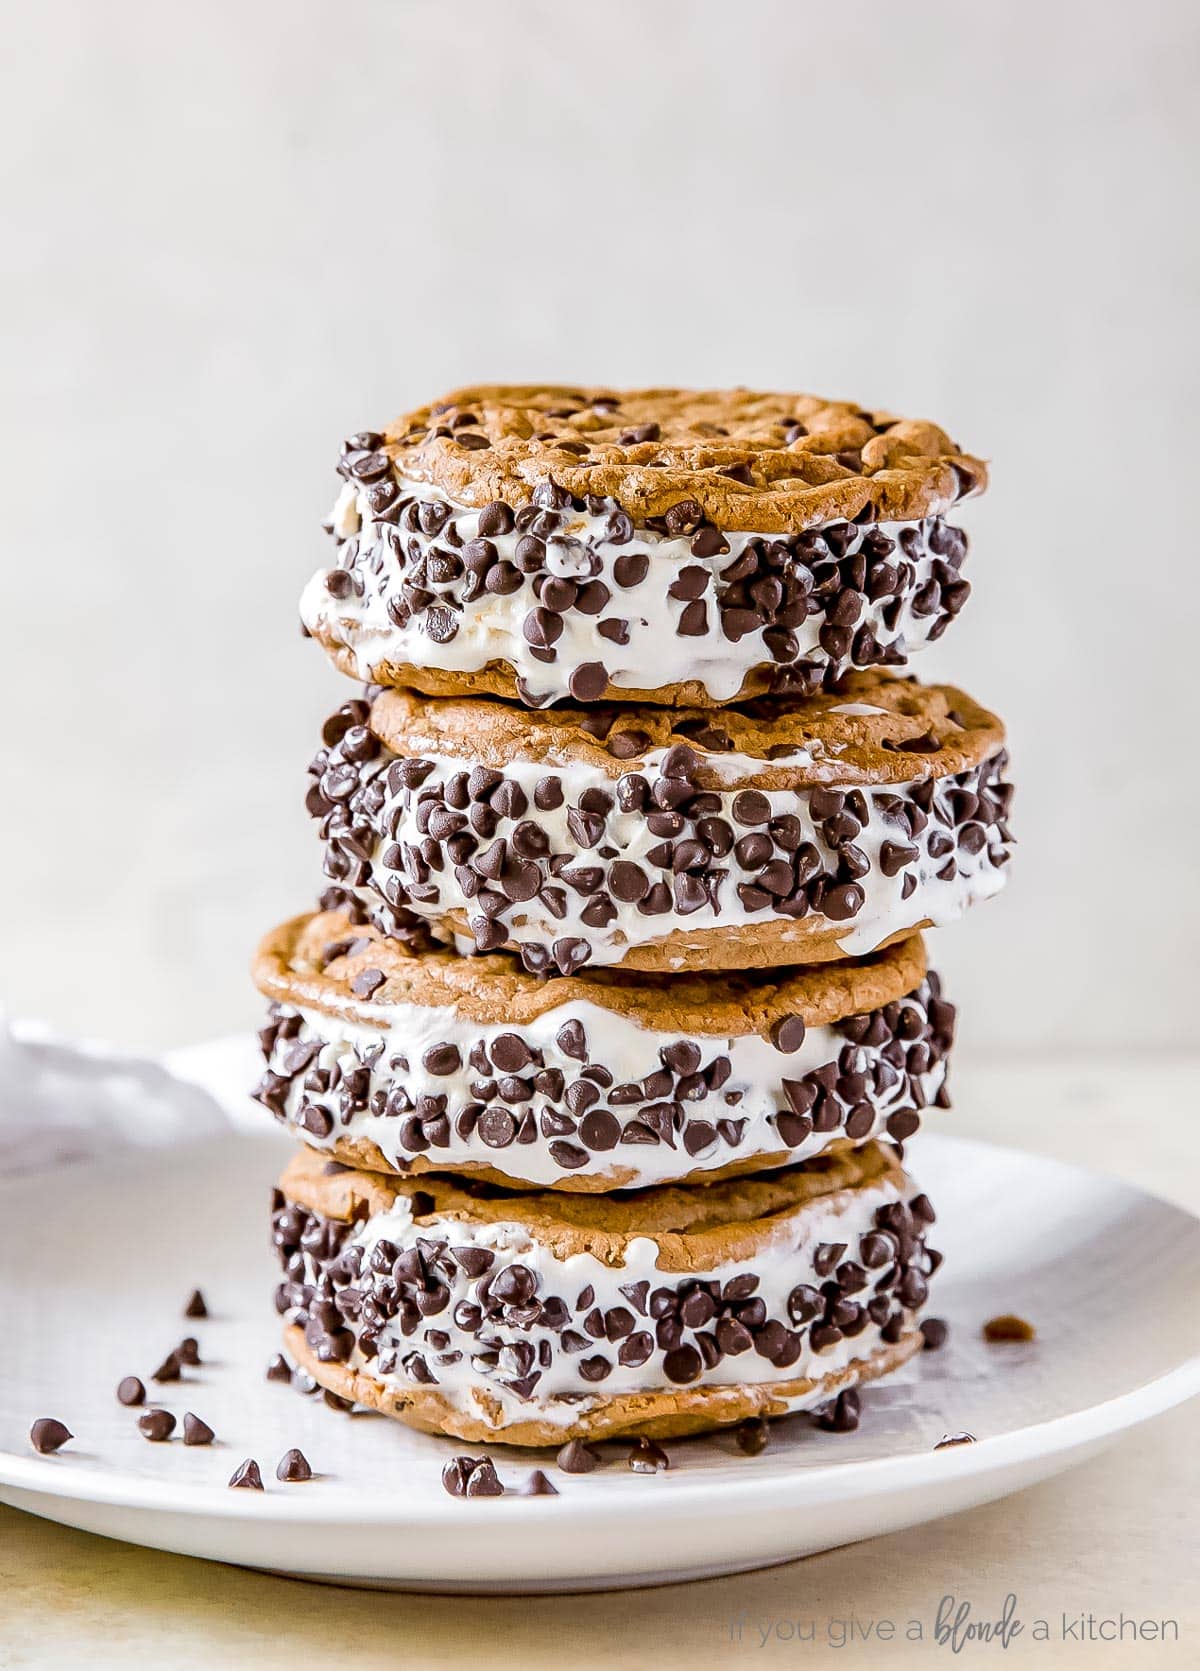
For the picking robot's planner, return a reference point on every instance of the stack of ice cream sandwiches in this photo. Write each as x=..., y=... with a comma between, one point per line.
x=605, y=1039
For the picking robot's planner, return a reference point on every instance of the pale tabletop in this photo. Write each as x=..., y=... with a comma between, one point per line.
x=1117, y=1537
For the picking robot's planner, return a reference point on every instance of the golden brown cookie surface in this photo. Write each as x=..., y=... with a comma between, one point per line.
x=877, y=728
x=776, y=463
x=319, y=961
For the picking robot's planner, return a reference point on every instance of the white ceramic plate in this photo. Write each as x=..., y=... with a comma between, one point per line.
x=97, y=1260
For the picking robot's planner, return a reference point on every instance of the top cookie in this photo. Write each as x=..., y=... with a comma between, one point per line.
x=767, y=463
x=686, y=548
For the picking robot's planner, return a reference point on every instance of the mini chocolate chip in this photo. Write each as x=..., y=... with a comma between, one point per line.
x=903, y=1124
x=442, y=1059
x=48, y=1435
x=293, y=1467
x=577, y=1458
x=170, y=1369
x=646, y=1457
x=1008, y=1328
x=279, y=1369
x=131, y=1391
x=367, y=982
x=510, y=1053
x=934, y=1333
x=497, y=1128
x=246, y=1476
x=842, y=1415
x=751, y=1436
x=751, y=807
x=842, y=902
x=196, y=1306
x=787, y=1033
x=195, y=1431
x=588, y=682
x=625, y=745
x=600, y=1130
x=483, y=1481
x=156, y=1425
x=538, y=1485
x=496, y=518
x=631, y=568
x=680, y=761
x=627, y=881
x=682, y=1365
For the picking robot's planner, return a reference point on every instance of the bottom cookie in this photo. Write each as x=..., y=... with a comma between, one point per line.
x=531, y=1317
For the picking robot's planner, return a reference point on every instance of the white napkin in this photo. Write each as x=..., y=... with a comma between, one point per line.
x=63, y=1101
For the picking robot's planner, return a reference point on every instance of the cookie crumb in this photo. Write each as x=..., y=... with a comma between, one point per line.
x=1008, y=1327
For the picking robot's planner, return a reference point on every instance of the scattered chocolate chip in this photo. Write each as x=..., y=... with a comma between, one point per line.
x=471, y=1476
x=131, y=1391
x=647, y=1457
x=246, y=1476
x=293, y=1467
x=539, y=1486
x=751, y=1436
x=1008, y=1328
x=951, y=1439
x=195, y=1431
x=188, y=1351
x=842, y=1415
x=196, y=1306
x=279, y=1369
x=48, y=1435
x=156, y=1425
x=577, y=1458
x=934, y=1334
x=170, y=1369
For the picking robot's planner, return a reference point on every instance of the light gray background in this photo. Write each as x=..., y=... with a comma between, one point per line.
x=240, y=231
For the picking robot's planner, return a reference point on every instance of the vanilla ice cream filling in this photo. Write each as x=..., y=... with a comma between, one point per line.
x=918, y=891
x=813, y=1257
x=375, y=1083
x=490, y=628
